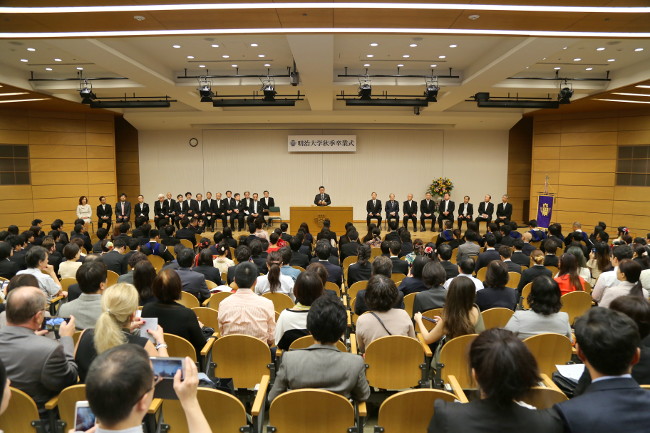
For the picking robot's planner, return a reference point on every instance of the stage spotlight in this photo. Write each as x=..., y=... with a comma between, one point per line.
x=86, y=92
x=564, y=97
x=365, y=90
x=205, y=90
x=431, y=92
x=269, y=92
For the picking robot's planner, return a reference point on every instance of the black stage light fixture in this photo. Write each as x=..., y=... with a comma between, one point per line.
x=254, y=103
x=431, y=92
x=564, y=97
x=269, y=92
x=86, y=92
x=130, y=104
x=365, y=90
x=378, y=102
x=205, y=89
x=483, y=100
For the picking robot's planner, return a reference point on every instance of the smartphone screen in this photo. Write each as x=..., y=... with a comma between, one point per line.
x=166, y=368
x=84, y=417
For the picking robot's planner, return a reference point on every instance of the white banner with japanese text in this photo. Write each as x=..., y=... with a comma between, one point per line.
x=322, y=143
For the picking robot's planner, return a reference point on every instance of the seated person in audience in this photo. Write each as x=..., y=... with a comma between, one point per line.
x=554, y=235
x=608, y=343
x=259, y=255
x=506, y=257
x=169, y=239
x=143, y=276
x=537, y=234
x=446, y=211
x=433, y=276
x=124, y=372
x=244, y=312
x=413, y=283
x=37, y=365
x=380, y=266
x=335, y=272
x=399, y=266
x=86, y=309
x=545, y=315
x=628, y=274
x=25, y=280
x=196, y=225
x=193, y=282
x=410, y=209
x=173, y=317
x=581, y=260
x=550, y=259
x=56, y=236
x=101, y=235
x=460, y=316
x=54, y=258
x=518, y=255
x=568, y=278
x=68, y=269
x=514, y=230
x=375, y=238
x=114, y=328
x=37, y=265
x=406, y=243
x=237, y=207
x=582, y=236
x=610, y=278
x=18, y=244
x=362, y=268
x=427, y=211
x=490, y=254
x=471, y=247
x=350, y=248
x=133, y=258
x=447, y=234
x=527, y=248
x=243, y=254
x=495, y=293
x=286, y=268
x=538, y=269
x=7, y=268
x=382, y=318
x=297, y=258
x=142, y=229
x=505, y=371
x=283, y=229
x=444, y=256
x=206, y=267
x=466, y=269
x=275, y=281
x=155, y=247
x=292, y=323
x=506, y=239
x=221, y=262
x=322, y=365
x=392, y=235
x=114, y=258
x=259, y=231
x=186, y=232
x=274, y=244
x=599, y=261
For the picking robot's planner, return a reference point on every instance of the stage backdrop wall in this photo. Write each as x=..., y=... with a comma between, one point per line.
x=400, y=161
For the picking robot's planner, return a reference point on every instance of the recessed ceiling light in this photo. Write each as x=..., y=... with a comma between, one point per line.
x=433, y=66
x=557, y=68
x=588, y=69
x=48, y=69
x=215, y=45
x=577, y=59
x=400, y=65
x=366, y=65
x=267, y=64
x=226, y=56
x=24, y=60
x=638, y=49
x=190, y=57
x=453, y=46
x=57, y=60
x=611, y=60
x=647, y=95
x=474, y=17
x=406, y=56
x=564, y=48
x=139, y=18
x=201, y=66
x=234, y=66
x=261, y=56
x=370, y=56
x=442, y=57
x=79, y=68
x=374, y=44
x=413, y=45
x=176, y=46
x=31, y=49
x=600, y=49
x=254, y=45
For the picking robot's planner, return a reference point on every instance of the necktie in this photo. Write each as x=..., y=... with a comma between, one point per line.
x=122, y=208
x=322, y=197
x=373, y=203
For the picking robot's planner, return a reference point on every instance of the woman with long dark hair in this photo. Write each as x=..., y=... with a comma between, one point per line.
x=143, y=275
x=599, y=261
x=567, y=277
x=275, y=281
x=361, y=270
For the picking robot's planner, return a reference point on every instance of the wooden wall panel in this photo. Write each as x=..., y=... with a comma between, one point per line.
x=127, y=160
x=520, y=155
x=584, y=180
x=14, y=137
x=63, y=138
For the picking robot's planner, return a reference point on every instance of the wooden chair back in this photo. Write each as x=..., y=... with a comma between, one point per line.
x=280, y=301
x=587, y=287
x=215, y=299
x=374, y=252
x=207, y=316
x=68, y=398
x=454, y=357
x=480, y=274
x=224, y=277
x=67, y=282
x=544, y=398
x=219, y=408
x=156, y=261
x=408, y=303
x=300, y=268
x=348, y=261
x=410, y=411
x=308, y=340
x=397, y=278
x=385, y=353
x=354, y=316
x=549, y=350
x=19, y=414
x=431, y=314
x=575, y=304
x=496, y=317
x=211, y=284
x=333, y=287
x=111, y=278
x=243, y=358
x=513, y=279
x=311, y=410
x=524, y=295
x=188, y=300
x=179, y=347
x=187, y=243
x=76, y=336
x=356, y=287
x=554, y=270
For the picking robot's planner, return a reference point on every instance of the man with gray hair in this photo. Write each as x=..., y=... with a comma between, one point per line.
x=504, y=211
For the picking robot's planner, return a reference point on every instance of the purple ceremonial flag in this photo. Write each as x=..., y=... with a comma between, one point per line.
x=544, y=210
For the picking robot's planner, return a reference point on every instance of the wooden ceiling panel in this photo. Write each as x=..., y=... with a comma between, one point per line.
x=394, y=18
x=232, y=19
x=298, y=18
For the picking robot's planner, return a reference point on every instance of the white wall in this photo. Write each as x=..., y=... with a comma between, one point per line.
x=400, y=161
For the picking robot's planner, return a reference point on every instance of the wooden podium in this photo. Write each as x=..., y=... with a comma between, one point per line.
x=315, y=215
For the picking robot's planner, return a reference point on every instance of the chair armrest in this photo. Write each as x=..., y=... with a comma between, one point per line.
x=349, y=314
x=56, y=299
x=353, y=344
x=548, y=382
x=425, y=346
x=260, y=397
x=458, y=390
x=208, y=346
x=205, y=303
x=278, y=353
x=155, y=406
x=52, y=403
x=362, y=409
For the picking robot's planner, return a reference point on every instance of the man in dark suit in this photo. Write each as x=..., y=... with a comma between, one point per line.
x=104, y=214
x=485, y=210
x=192, y=205
x=518, y=255
x=255, y=212
x=392, y=209
x=489, y=254
x=504, y=211
x=527, y=248
x=122, y=210
x=267, y=203
x=247, y=201
x=335, y=273
x=427, y=209
x=350, y=248
x=392, y=235
x=373, y=209
x=19, y=245
x=399, y=266
x=171, y=207
x=445, y=210
x=185, y=232
x=321, y=198
x=410, y=209
x=141, y=210
x=297, y=258
x=7, y=268
x=154, y=247
x=237, y=213
x=193, y=282
x=550, y=259
x=608, y=344
x=208, y=207
x=160, y=212
x=465, y=212
x=115, y=260
x=181, y=209
x=220, y=208
x=505, y=253
x=243, y=254
x=201, y=209
x=444, y=256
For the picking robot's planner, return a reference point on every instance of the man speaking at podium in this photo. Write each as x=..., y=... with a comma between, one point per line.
x=321, y=198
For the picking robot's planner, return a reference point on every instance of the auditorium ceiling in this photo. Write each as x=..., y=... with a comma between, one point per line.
x=143, y=49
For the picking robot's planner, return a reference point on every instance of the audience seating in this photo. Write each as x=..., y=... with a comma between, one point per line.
x=480, y=274
x=454, y=361
x=315, y=411
x=587, y=287
x=355, y=288
x=513, y=279
x=208, y=316
x=575, y=304
x=543, y=397
x=280, y=301
x=554, y=270
x=215, y=299
x=524, y=296
x=111, y=278
x=409, y=411
x=188, y=300
x=549, y=350
x=21, y=415
x=374, y=252
x=179, y=347
x=397, y=278
x=187, y=243
x=211, y=284
x=300, y=268
x=333, y=287
x=67, y=282
x=156, y=261
x=431, y=314
x=65, y=404
x=396, y=362
x=408, y=303
x=496, y=317
x=308, y=340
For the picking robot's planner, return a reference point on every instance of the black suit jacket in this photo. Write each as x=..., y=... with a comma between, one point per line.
x=427, y=209
x=181, y=208
x=410, y=208
x=107, y=211
x=531, y=273
x=451, y=207
x=392, y=206
x=486, y=209
x=373, y=209
x=470, y=210
x=451, y=270
x=204, y=209
x=399, y=266
x=115, y=262
x=357, y=272
x=520, y=258
x=504, y=210
x=349, y=249
x=127, y=209
x=220, y=207
x=19, y=259
x=186, y=233
x=142, y=209
x=550, y=260
x=513, y=267
x=486, y=257
x=299, y=259
x=8, y=269
x=192, y=207
x=160, y=210
x=318, y=198
x=210, y=272
x=608, y=406
x=170, y=206
x=267, y=202
x=335, y=273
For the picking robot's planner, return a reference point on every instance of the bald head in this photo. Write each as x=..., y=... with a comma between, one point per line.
x=23, y=304
x=527, y=237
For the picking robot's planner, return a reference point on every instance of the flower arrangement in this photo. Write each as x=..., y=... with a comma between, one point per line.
x=441, y=186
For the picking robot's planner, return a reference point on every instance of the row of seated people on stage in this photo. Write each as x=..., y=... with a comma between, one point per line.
x=166, y=210
x=42, y=366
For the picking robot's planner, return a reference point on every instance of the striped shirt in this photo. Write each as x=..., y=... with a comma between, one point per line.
x=246, y=313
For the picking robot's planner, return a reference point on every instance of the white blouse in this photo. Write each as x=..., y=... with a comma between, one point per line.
x=84, y=212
